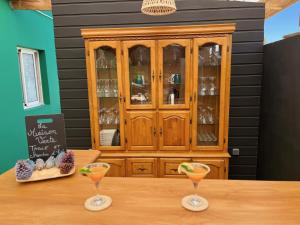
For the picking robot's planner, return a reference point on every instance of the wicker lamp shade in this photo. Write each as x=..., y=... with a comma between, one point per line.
x=158, y=7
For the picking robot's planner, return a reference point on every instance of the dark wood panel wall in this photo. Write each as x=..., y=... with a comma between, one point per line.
x=280, y=124
x=247, y=69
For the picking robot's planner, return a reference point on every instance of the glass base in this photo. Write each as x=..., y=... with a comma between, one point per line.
x=194, y=203
x=98, y=203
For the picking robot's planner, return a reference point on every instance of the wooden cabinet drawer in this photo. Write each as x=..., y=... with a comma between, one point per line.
x=117, y=167
x=168, y=167
x=217, y=167
x=141, y=167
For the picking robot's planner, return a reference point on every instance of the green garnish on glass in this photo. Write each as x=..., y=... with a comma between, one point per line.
x=85, y=170
x=186, y=168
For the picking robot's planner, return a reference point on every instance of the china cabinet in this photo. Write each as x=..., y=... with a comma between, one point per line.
x=159, y=96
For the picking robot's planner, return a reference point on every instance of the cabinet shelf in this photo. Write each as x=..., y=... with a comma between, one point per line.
x=207, y=124
x=98, y=95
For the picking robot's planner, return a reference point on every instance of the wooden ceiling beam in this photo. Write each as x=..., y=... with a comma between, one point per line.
x=275, y=6
x=31, y=4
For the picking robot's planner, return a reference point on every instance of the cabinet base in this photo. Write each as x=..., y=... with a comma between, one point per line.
x=131, y=164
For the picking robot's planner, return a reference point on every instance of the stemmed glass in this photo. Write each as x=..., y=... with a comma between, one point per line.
x=115, y=88
x=203, y=87
x=96, y=171
x=195, y=172
x=213, y=88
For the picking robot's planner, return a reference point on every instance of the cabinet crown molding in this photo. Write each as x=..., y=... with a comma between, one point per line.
x=158, y=31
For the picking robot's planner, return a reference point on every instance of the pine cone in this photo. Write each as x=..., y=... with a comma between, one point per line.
x=50, y=162
x=31, y=163
x=23, y=170
x=59, y=158
x=65, y=168
x=68, y=158
x=39, y=164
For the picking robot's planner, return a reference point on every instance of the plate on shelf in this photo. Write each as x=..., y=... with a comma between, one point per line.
x=46, y=174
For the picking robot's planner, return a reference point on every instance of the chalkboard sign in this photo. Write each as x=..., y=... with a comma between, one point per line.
x=45, y=135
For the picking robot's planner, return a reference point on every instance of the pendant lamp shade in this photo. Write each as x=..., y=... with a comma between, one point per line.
x=158, y=7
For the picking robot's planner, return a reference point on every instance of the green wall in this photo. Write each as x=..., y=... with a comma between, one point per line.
x=32, y=30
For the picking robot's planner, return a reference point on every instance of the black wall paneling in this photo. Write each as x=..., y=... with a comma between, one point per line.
x=247, y=69
x=280, y=124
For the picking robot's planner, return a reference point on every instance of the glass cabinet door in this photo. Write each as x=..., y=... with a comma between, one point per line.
x=174, y=67
x=209, y=93
x=140, y=79
x=107, y=94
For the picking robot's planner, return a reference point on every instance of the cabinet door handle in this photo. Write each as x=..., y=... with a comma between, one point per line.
x=160, y=75
x=160, y=131
x=142, y=169
x=153, y=76
x=120, y=98
x=154, y=131
x=195, y=97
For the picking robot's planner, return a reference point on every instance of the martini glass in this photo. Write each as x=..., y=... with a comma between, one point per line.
x=195, y=172
x=96, y=171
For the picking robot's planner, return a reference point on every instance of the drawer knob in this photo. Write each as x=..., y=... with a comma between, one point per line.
x=142, y=169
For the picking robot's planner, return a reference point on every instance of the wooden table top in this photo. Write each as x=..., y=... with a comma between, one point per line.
x=143, y=201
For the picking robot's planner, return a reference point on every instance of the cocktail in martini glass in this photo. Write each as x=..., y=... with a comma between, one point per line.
x=195, y=172
x=96, y=171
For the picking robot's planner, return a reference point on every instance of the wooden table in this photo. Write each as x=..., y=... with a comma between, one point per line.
x=145, y=201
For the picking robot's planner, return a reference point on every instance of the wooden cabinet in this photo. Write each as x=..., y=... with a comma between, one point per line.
x=160, y=94
x=174, y=130
x=141, y=130
x=117, y=167
x=143, y=167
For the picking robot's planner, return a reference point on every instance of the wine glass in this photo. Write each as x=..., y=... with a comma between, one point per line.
x=212, y=88
x=96, y=171
x=106, y=88
x=203, y=88
x=115, y=88
x=195, y=172
x=210, y=115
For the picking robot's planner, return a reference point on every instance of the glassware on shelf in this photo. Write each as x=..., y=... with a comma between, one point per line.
x=207, y=137
x=117, y=117
x=140, y=73
x=195, y=172
x=206, y=115
x=106, y=88
x=173, y=74
x=212, y=86
x=102, y=118
x=115, y=88
x=210, y=115
x=101, y=61
x=109, y=116
x=107, y=92
x=207, y=86
x=203, y=88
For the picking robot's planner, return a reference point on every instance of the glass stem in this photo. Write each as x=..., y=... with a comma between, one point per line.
x=97, y=184
x=196, y=185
